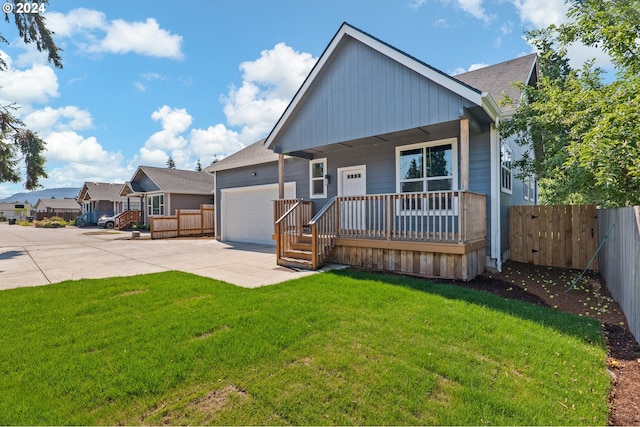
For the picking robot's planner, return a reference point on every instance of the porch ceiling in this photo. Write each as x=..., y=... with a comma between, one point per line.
x=402, y=137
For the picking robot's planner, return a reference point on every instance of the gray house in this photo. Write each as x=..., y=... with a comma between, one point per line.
x=102, y=198
x=161, y=191
x=384, y=162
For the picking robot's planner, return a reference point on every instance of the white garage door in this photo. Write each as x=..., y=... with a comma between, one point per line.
x=247, y=212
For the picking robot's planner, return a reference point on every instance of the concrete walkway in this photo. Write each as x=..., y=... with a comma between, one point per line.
x=32, y=256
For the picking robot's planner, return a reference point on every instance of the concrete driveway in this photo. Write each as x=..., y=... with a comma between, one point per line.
x=32, y=256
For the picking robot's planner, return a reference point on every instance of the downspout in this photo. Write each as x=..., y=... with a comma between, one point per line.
x=496, y=241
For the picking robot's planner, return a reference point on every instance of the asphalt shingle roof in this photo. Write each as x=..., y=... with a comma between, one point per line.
x=253, y=154
x=102, y=191
x=57, y=204
x=177, y=180
x=498, y=79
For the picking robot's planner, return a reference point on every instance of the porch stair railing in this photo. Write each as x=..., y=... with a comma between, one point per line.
x=293, y=241
x=127, y=219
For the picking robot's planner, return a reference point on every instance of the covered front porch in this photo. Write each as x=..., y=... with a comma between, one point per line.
x=432, y=234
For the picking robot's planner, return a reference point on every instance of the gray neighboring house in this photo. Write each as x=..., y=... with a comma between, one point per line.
x=410, y=144
x=102, y=198
x=160, y=191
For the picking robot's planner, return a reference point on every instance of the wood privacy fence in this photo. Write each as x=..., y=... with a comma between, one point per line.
x=620, y=260
x=186, y=222
x=556, y=236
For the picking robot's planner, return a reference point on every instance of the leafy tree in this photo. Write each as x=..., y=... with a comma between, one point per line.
x=584, y=131
x=170, y=163
x=19, y=145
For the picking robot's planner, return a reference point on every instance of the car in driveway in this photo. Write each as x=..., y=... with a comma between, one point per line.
x=106, y=221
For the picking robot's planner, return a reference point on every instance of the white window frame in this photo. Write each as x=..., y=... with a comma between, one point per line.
x=529, y=188
x=323, y=161
x=454, y=158
x=161, y=206
x=506, y=170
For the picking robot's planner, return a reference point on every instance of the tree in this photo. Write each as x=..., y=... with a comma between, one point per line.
x=170, y=163
x=584, y=131
x=199, y=166
x=19, y=145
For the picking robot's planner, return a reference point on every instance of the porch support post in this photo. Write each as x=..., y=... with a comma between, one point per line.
x=280, y=176
x=464, y=154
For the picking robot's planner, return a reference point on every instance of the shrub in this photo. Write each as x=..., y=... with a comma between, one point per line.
x=53, y=222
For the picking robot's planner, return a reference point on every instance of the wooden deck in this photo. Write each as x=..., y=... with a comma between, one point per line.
x=436, y=234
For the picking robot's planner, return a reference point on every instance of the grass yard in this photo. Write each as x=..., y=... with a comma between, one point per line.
x=333, y=348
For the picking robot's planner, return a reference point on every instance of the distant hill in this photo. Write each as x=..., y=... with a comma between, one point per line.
x=33, y=196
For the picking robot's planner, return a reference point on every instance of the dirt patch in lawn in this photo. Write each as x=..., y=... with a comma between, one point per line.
x=589, y=297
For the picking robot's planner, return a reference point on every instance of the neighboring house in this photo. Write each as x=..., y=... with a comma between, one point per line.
x=400, y=164
x=103, y=198
x=14, y=211
x=58, y=206
x=161, y=191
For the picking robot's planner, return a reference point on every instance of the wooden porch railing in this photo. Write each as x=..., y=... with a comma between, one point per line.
x=442, y=216
x=454, y=217
x=291, y=224
x=324, y=230
x=126, y=218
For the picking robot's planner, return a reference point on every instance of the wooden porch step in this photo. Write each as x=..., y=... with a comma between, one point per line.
x=304, y=238
x=299, y=254
x=301, y=264
x=301, y=246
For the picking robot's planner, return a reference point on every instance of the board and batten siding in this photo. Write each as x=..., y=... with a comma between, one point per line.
x=365, y=93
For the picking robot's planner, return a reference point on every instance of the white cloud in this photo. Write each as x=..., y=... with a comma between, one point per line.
x=59, y=119
x=214, y=142
x=268, y=85
x=74, y=174
x=79, y=20
x=153, y=157
x=174, y=122
x=472, y=7
x=541, y=13
x=69, y=146
x=141, y=88
x=38, y=83
x=144, y=38
x=86, y=28
x=472, y=67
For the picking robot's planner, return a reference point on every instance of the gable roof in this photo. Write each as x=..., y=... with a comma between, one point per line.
x=347, y=31
x=253, y=154
x=58, y=204
x=173, y=180
x=101, y=191
x=498, y=79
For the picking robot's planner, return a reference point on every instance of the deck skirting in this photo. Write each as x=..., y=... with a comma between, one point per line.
x=435, y=260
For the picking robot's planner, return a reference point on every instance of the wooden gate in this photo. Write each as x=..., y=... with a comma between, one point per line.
x=556, y=236
x=187, y=222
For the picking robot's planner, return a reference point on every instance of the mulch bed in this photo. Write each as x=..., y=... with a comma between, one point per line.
x=548, y=286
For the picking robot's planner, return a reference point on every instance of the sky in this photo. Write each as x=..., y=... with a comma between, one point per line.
x=148, y=79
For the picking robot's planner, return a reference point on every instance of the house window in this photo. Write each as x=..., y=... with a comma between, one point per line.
x=428, y=166
x=529, y=188
x=317, y=171
x=506, y=158
x=155, y=205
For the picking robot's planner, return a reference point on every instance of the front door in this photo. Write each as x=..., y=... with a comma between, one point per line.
x=352, y=181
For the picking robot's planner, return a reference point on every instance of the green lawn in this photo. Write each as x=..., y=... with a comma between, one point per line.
x=333, y=348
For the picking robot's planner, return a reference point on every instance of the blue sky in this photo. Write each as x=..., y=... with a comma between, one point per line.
x=144, y=80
